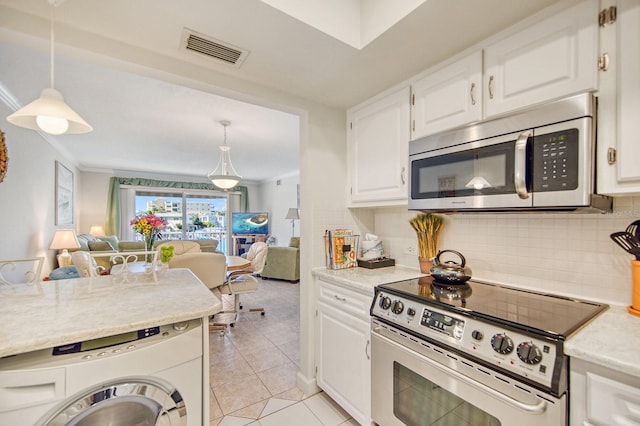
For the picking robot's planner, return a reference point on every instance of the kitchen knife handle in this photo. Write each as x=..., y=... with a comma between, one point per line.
x=520, y=166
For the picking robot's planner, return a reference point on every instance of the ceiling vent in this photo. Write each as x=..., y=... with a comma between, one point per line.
x=227, y=53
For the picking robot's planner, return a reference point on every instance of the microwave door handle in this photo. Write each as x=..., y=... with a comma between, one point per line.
x=520, y=166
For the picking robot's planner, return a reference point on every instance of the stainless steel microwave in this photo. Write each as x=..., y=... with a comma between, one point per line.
x=542, y=158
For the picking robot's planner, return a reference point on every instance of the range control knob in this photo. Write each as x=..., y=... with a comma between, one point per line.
x=385, y=302
x=411, y=312
x=477, y=334
x=502, y=344
x=529, y=353
x=398, y=307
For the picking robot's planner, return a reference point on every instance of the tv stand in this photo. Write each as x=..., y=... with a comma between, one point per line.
x=241, y=243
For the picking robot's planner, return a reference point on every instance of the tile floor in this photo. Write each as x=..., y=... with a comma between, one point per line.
x=253, y=366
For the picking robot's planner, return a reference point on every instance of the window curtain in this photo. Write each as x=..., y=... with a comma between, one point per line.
x=113, y=220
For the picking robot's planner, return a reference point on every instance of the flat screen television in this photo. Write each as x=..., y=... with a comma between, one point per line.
x=250, y=223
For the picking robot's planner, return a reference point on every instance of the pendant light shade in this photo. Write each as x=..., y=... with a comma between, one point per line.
x=49, y=112
x=225, y=176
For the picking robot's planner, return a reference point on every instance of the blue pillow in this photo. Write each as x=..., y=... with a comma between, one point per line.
x=64, y=273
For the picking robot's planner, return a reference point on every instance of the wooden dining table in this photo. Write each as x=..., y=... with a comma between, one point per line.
x=237, y=263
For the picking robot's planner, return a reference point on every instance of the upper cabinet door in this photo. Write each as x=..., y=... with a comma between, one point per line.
x=378, y=140
x=448, y=97
x=548, y=60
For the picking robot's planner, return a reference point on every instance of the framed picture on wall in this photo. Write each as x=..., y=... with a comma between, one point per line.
x=64, y=195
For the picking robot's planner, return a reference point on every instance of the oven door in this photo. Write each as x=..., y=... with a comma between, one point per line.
x=483, y=174
x=409, y=388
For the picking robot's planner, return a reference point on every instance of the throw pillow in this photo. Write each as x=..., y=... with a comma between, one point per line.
x=111, y=239
x=100, y=246
x=294, y=242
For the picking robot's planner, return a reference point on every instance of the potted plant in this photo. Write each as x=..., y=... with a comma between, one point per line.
x=427, y=227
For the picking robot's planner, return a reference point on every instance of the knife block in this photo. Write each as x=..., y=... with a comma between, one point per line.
x=635, y=288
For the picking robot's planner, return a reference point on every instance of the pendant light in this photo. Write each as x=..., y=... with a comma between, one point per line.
x=49, y=112
x=225, y=176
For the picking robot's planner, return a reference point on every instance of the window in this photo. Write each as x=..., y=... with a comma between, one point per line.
x=190, y=216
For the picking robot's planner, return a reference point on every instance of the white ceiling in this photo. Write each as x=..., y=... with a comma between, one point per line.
x=120, y=66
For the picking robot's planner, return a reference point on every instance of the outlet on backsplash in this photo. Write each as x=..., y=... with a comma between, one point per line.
x=413, y=250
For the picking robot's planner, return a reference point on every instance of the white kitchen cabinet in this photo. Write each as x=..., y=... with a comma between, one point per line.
x=553, y=58
x=601, y=396
x=378, y=137
x=447, y=97
x=619, y=109
x=344, y=349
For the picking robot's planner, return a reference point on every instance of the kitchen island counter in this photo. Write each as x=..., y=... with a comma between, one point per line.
x=52, y=313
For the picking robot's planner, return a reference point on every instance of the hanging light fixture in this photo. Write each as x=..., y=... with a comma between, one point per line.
x=49, y=112
x=225, y=176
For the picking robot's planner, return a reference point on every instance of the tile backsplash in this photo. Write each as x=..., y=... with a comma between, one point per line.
x=563, y=253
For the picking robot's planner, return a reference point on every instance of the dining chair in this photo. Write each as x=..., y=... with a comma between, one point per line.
x=210, y=268
x=244, y=281
x=85, y=264
x=20, y=271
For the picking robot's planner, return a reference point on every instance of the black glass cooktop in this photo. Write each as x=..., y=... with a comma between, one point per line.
x=556, y=315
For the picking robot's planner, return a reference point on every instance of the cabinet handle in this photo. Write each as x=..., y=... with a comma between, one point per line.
x=473, y=94
x=490, y=87
x=366, y=349
x=402, y=172
x=342, y=299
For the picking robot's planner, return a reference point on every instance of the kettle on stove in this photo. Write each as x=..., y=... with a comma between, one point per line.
x=450, y=272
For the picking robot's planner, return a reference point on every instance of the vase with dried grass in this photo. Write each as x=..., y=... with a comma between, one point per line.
x=427, y=227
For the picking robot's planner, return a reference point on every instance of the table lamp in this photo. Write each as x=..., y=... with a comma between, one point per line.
x=64, y=239
x=293, y=215
x=97, y=231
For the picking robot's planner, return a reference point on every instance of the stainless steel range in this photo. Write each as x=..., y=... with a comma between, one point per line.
x=476, y=353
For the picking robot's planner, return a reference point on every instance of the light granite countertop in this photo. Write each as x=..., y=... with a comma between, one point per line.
x=611, y=340
x=53, y=313
x=364, y=280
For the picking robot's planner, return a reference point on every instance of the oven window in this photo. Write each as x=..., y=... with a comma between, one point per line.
x=420, y=402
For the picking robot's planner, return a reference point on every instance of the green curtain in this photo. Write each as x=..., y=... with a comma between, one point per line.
x=113, y=222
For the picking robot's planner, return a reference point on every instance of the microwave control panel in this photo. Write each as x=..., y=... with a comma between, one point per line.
x=555, y=161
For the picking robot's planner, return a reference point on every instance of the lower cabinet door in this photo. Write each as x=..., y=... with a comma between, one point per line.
x=343, y=356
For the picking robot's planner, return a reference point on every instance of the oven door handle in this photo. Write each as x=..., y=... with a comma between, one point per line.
x=538, y=408
x=520, y=165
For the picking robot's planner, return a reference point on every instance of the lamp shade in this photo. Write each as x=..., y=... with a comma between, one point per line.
x=292, y=214
x=97, y=231
x=224, y=176
x=64, y=239
x=50, y=114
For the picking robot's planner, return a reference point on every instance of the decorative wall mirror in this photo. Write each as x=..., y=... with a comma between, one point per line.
x=4, y=158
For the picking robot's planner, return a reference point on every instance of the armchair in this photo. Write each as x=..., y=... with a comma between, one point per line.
x=283, y=263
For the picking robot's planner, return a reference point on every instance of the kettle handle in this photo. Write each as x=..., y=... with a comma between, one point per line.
x=454, y=252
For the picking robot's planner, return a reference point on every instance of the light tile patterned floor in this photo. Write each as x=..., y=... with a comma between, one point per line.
x=253, y=366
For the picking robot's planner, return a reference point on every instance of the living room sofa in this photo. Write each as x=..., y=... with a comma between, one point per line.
x=111, y=243
x=283, y=263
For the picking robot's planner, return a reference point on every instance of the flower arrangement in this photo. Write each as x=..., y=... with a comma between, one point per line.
x=427, y=227
x=149, y=226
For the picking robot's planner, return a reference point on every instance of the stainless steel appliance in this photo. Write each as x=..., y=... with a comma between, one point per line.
x=543, y=158
x=474, y=353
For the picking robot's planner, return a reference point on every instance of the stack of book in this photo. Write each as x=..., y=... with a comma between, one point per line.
x=340, y=247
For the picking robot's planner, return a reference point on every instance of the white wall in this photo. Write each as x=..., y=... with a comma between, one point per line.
x=276, y=197
x=562, y=253
x=27, y=195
